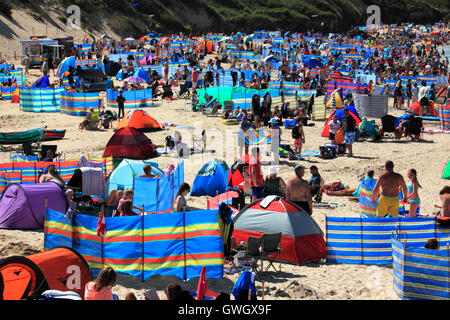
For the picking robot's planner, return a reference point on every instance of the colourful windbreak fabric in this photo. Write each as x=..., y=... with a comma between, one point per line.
x=420, y=273
x=78, y=104
x=368, y=240
x=166, y=243
x=444, y=117
x=134, y=98
x=40, y=100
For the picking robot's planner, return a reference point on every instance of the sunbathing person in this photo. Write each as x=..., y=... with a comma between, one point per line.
x=390, y=182
x=53, y=176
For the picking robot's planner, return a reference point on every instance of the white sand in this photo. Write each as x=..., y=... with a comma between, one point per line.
x=315, y=281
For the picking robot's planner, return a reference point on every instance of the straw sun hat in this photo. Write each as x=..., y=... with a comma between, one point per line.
x=273, y=170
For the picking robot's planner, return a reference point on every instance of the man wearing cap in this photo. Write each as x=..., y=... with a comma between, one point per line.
x=299, y=191
x=275, y=135
x=243, y=140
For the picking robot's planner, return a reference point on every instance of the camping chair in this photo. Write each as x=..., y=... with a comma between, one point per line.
x=227, y=107
x=388, y=123
x=270, y=244
x=184, y=92
x=415, y=127
x=199, y=141
x=253, y=253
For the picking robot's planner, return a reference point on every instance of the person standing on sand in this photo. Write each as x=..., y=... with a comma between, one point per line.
x=299, y=191
x=121, y=104
x=390, y=182
x=27, y=63
x=348, y=124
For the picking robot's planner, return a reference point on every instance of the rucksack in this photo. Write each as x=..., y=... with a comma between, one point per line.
x=169, y=142
x=326, y=153
x=295, y=133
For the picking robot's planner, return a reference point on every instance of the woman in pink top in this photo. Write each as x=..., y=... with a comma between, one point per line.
x=101, y=287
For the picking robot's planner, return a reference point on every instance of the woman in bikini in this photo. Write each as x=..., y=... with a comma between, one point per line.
x=413, y=193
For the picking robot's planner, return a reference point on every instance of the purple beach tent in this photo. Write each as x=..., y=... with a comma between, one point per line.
x=22, y=206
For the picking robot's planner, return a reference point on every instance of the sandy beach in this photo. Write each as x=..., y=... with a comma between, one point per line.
x=313, y=281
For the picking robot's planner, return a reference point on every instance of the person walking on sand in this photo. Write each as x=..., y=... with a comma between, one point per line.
x=27, y=63
x=299, y=191
x=389, y=182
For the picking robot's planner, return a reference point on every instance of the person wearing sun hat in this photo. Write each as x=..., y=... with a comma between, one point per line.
x=274, y=185
x=275, y=134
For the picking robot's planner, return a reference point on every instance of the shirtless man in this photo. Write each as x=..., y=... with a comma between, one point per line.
x=299, y=191
x=444, y=194
x=147, y=172
x=53, y=176
x=389, y=181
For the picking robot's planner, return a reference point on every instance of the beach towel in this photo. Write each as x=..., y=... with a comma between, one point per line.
x=83, y=162
x=311, y=153
x=93, y=182
x=244, y=282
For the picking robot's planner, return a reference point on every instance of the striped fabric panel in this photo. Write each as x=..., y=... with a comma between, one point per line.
x=78, y=104
x=40, y=100
x=20, y=78
x=359, y=88
x=143, y=246
x=444, y=117
x=367, y=241
x=7, y=178
x=420, y=273
x=85, y=62
x=7, y=92
x=134, y=98
x=30, y=170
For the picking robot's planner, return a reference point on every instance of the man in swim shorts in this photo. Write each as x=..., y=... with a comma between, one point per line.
x=390, y=182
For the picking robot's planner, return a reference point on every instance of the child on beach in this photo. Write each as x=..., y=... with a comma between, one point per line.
x=413, y=193
x=298, y=134
x=100, y=288
x=128, y=195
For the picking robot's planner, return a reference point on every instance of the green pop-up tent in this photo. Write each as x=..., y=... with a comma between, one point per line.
x=446, y=174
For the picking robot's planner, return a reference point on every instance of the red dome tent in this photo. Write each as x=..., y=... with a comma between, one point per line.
x=130, y=143
x=302, y=239
x=140, y=120
x=415, y=108
x=58, y=269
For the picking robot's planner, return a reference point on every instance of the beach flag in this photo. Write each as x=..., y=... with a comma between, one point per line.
x=101, y=225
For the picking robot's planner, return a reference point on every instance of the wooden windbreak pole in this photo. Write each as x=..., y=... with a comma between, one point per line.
x=262, y=289
x=142, y=257
x=184, y=241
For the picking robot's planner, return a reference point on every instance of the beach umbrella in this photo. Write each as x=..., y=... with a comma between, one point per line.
x=151, y=34
x=129, y=39
x=135, y=80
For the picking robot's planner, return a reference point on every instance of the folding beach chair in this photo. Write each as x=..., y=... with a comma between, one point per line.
x=253, y=252
x=270, y=246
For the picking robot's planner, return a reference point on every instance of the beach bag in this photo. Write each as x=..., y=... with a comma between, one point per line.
x=341, y=148
x=295, y=133
x=325, y=153
x=339, y=137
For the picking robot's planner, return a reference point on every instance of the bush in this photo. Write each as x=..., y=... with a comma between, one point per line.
x=6, y=8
